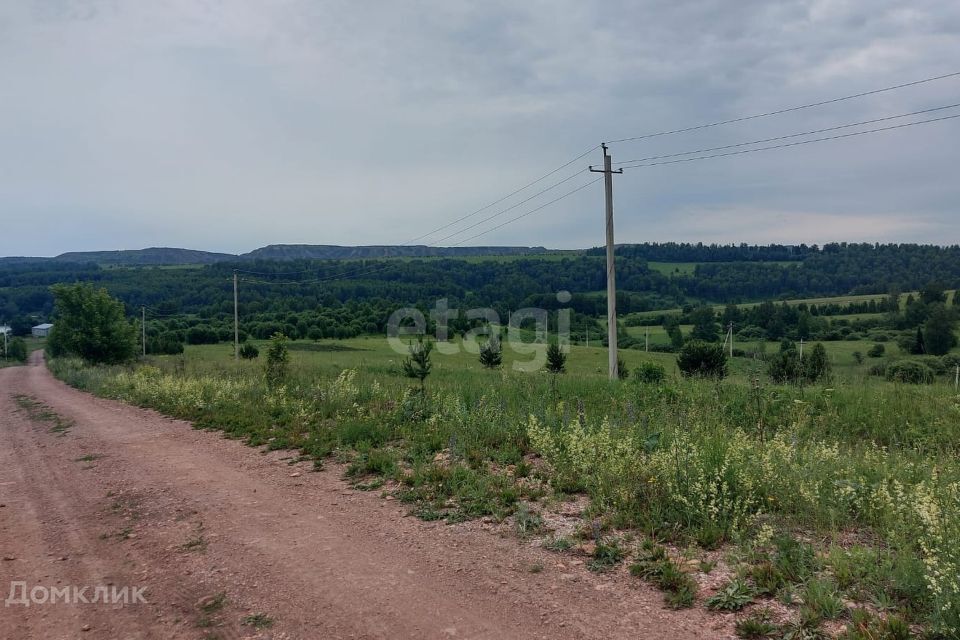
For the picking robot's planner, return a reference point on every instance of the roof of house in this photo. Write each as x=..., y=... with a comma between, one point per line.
x=45, y=325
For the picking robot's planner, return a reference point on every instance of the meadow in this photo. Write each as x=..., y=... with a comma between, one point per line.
x=838, y=502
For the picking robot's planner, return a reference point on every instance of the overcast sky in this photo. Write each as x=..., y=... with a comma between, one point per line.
x=229, y=125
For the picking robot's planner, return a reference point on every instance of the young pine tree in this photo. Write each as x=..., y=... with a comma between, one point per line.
x=417, y=365
x=491, y=355
x=556, y=359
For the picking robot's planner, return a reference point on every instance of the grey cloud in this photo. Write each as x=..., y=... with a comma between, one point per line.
x=229, y=125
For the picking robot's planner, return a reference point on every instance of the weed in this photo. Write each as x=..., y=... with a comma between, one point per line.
x=527, y=522
x=536, y=567
x=821, y=596
x=733, y=597
x=90, y=457
x=213, y=604
x=257, y=621
x=655, y=566
x=755, y=626
x=196, y=543
x=558, y=544
x=605, y=555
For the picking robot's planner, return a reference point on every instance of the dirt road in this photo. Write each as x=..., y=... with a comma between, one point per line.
x=231, y=542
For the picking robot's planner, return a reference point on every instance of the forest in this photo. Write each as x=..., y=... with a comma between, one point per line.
x=347, y=298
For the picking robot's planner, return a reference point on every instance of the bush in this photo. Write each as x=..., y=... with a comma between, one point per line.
x=17, y=350
x=278, y=360
x=876, y=351
x=202, y=335
x=910, y=371
x=750, y=333
x=649, y=372
x=249, y=351
x=786, y=366
x=167, y=343
x=702, y=359
x=90, y=324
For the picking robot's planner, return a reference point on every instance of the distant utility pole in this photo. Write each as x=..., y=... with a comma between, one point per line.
x=646, y=339
x=236, y=321
x=143, y=328
x=730, y=336
x=801, y=349
x=608, y=172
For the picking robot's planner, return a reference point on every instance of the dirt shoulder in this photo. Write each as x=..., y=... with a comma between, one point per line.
x=232, y=542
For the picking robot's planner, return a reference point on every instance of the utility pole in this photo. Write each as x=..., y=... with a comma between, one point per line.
x=646, y=339
x=236, y=321
x=608, y=172
x=143, y=329
x=801, y=349
x=956, y=375
x=730, y=334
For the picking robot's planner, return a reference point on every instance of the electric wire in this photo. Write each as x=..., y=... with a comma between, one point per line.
x=787, y=110
x=792, y=135
x=792, y=144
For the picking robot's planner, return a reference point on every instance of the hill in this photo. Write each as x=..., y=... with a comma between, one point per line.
x=335, y=252
x=142, y=257
x=154, y=256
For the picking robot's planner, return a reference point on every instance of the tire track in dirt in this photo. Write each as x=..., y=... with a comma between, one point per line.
x=191, y=515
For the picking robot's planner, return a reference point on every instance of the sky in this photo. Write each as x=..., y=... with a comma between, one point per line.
x=229, y=125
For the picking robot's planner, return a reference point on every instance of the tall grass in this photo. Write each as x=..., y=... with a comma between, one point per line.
x=870, y=467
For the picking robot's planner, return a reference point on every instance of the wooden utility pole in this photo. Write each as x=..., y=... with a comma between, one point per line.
x=143, y=329
x=646, y=339
x=236, y=321
x=608, y=172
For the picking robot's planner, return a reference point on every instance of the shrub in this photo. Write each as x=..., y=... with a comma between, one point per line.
x=649, y=373
x=702, y=359
x=249, y=351
x=623, y=372
x=89, y=323
x=167, y=343
x=910, y=371
x=876, y=351
x=278, y=360
x=17, y=350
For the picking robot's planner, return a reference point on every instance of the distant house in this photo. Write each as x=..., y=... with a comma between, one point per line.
x=41, y=330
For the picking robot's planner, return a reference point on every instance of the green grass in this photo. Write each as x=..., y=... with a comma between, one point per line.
x=776, y=475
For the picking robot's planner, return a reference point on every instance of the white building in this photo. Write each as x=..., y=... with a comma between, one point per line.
x=41, y=330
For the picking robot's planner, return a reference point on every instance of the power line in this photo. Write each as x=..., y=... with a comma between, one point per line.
x=506, y=197
x=510, y=208
x=532, y=211
x=382, y=266
x=466, y=217
x=787, y=110
x=792, y=135
x=793, y=144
